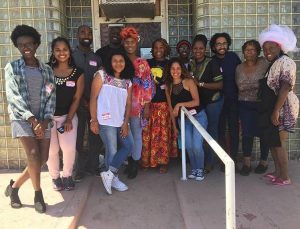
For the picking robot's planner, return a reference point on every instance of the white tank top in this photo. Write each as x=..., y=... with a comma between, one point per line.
x=111, y=100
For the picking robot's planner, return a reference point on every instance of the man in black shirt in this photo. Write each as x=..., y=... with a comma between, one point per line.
x=85, y=58
x=114, y=44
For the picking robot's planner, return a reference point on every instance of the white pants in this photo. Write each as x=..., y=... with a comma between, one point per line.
x=67, y=143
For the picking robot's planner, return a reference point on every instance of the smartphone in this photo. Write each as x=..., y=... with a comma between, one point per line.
x=61, y=129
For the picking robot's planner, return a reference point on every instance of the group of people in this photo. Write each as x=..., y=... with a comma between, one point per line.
x=131, y=105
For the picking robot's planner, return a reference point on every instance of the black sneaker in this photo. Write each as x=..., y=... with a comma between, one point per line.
x=260, y=169
x=78, y=177
x=245, y=171
x=68, y=183
x=57, y=184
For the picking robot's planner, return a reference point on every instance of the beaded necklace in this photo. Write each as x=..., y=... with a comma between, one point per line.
x=62, y=80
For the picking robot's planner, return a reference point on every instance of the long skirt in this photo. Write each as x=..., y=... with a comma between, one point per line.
x=159, y=144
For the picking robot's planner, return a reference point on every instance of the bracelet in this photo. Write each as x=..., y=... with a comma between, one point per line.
x=201, y=84
x=93, y=120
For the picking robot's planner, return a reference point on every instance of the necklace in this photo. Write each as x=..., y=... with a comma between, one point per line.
x=61, y=80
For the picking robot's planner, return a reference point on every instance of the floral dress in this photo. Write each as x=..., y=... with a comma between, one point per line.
x=284, y=70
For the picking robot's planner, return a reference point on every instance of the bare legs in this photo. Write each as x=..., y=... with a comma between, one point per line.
x=37, y=151
x=280, y=157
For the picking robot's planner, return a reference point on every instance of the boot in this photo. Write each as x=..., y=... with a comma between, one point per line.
x=39, y=203
x=13, y=194
x=134, y=170
x=129, y=166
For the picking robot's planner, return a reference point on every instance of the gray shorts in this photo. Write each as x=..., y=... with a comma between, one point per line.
x=21, y=128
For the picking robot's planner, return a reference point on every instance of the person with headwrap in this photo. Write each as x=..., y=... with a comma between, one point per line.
x=142, y=92
x=279, y=105
x=183, y=49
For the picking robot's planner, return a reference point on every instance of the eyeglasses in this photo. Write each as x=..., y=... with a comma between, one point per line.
x=29, y=45
x=224, y=44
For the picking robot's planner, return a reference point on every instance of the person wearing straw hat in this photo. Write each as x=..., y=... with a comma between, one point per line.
x=279, y=105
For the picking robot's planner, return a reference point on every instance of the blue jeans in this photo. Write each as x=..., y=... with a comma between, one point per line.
x=116, y=147
x=213, y=111
x=136, y=129
x=194, y=141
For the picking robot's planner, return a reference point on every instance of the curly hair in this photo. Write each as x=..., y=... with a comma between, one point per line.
x=164, y=43
x=52, y=61
x=128, y=71
x=201, y=38
x=129, y=32
x=167, y=70
x=213, y=39
x=25, y=30
x=254, y=43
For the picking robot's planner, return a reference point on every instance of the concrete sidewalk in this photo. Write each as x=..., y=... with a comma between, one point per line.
x=158, y=201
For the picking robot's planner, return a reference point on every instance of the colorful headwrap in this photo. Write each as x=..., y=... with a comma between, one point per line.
x=282, y=35
x=129, y=32
x=183, y=42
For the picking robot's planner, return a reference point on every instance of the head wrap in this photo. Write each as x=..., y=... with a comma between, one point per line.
x=129, y=32
x=183, y=42
x=282, y=35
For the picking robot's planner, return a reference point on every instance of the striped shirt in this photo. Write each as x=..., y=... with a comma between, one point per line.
x=17, y=93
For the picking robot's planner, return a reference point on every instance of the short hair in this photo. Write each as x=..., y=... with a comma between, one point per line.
x=165, y=44
x=213, y=39
x=200, y=37
x=167, y=70
x=253, y=42
x=52, y=61
x=25, y=30
x=128, y=72
x=129, y=32
x=183, y=42
x=83, y=26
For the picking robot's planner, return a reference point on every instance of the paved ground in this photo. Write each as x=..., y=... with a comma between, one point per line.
x=158, y=201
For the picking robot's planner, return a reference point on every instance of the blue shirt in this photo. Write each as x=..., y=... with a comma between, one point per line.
x=228, y=65
x=18, y=96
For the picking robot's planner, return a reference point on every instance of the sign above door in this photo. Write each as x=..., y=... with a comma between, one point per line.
x=129, y=8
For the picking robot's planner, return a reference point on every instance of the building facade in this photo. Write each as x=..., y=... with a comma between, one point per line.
x=171, y=19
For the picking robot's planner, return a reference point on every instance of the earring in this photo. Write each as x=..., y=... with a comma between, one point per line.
x=53, y=61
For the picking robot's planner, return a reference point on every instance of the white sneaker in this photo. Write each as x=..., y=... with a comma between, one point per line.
x=118, y=185
x=107, y=178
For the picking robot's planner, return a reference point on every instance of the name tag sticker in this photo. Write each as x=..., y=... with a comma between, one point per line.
x=49, y=88
x=70, y=83
x=193, y=112
x=163, y=87
x=93, y=63
x=106, y=116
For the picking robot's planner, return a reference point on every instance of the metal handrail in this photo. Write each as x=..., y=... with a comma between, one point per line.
x=229, y=166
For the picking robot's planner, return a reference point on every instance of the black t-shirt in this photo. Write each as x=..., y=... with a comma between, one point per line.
x=65, y=91
x=208, y=71
x=105, y=53
x=157, y=73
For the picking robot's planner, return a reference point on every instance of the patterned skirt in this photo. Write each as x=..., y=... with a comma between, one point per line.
x=158, y=141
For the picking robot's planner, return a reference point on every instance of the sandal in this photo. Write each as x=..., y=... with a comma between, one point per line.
x=281, y=182
x=163, y=169
x=271, y=176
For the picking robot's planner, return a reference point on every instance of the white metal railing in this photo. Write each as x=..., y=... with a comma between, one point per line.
x=229, y=166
